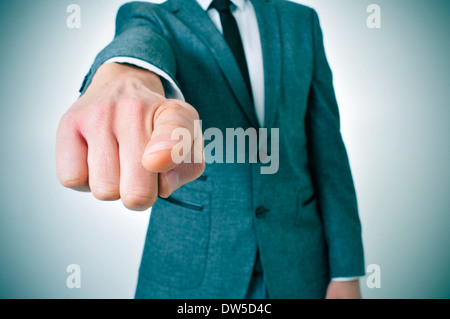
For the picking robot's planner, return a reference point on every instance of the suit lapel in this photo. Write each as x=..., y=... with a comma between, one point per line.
x=269, y=28
x=191, y=14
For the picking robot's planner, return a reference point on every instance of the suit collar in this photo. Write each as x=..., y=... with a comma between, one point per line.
x=204, y=4
x=177, y=5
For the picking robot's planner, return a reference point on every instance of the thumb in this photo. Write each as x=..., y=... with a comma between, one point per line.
x=181, y=175
x=172, y=136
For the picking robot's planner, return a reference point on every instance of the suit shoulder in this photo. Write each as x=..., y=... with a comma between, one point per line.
x=138, y=5
x=295, y=13
x=141, y=8
x=298, y=7
x=294, y=8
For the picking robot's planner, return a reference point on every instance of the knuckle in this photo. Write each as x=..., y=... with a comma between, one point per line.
x=135, y=112
x=171, y=103
x=134, y=107
x=68, y=120
x=73, y=181
x=106, y=192
x=138, y=200
x=173, y=115
x=101, y=110
x=100, y=115
x=182, y=107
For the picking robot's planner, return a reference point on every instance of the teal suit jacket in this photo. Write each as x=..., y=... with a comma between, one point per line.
x=202, y=242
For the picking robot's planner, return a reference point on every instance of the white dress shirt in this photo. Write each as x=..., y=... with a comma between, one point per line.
x=244, y=13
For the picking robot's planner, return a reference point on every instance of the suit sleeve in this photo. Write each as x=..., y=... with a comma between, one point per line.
x=138, y=35
x=330, y=169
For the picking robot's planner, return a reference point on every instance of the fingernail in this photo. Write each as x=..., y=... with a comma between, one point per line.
x=172, y=181
x=158, y=147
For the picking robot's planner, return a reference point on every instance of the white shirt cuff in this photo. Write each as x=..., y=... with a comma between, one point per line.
x=172, y=90
x=344, y=279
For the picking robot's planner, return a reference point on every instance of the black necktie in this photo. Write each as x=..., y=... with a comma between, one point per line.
x=233, y=38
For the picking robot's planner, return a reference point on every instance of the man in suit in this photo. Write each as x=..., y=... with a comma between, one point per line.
x=220, y=230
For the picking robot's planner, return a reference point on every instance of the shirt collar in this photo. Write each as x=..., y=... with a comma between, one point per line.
x=206, y=3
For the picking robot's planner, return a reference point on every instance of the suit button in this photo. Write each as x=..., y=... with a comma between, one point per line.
x=261, y=212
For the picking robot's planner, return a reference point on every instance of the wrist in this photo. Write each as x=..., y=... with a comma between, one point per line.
x=110, y=74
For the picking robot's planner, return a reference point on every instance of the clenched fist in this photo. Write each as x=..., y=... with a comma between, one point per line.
x=116, y=140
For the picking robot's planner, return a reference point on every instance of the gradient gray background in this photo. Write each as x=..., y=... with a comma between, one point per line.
x=393, y=89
